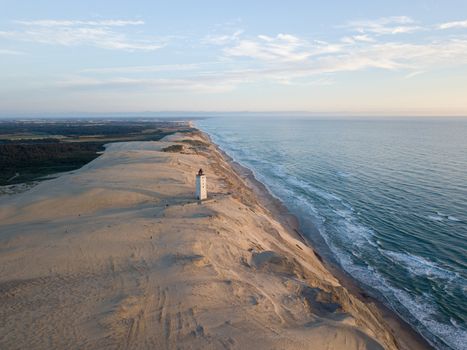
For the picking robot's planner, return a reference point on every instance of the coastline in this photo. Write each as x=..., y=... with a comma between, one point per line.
x=405, y=335
x=162, y=269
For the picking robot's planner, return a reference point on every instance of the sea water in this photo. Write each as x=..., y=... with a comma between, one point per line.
x=384, y=199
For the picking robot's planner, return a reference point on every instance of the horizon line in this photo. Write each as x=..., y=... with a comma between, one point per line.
x=200, y=113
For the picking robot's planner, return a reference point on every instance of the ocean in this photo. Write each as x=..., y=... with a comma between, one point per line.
x=384, y=199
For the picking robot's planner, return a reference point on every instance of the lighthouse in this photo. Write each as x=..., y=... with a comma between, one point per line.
x=201, y=188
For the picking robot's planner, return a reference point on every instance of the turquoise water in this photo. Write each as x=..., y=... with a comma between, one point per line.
x=387, y=200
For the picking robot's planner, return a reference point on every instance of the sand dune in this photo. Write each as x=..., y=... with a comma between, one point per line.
x=119, y=255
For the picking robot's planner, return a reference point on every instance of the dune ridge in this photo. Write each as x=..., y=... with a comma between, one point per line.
x=119, y=254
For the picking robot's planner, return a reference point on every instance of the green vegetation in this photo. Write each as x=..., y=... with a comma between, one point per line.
x=28, y=161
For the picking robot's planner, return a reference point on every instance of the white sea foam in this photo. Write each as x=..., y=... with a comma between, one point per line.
x=312, y=189
x=355, y=233
x=351, y=230
x=421, y=307
x=435, y=217
x=344, y=174
x=444, y=216
x=419, y=266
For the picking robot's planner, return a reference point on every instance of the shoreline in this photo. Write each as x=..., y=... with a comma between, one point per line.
x=401, y=329
x=161, y=268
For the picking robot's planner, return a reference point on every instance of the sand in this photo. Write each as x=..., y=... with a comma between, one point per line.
x=120, y=255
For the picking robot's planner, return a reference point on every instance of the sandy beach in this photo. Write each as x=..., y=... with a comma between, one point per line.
x=120, y=255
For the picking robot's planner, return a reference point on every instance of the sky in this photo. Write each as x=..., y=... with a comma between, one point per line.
x=364, y=57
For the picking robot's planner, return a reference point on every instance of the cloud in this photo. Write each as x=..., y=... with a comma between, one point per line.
x=145, y=69
x=414, y=74
x=357, y=38
x=455, y=24
x=10, y=52
x=239, y=58
x=79, y=83
x=283, y=59
x=101, y=34
x=71, y=23
x=288, y=58
x=385, y=25
x=282, y=47
x=363, y=37
x=221, y=39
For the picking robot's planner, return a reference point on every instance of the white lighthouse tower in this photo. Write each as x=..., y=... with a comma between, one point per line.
x=201, y=187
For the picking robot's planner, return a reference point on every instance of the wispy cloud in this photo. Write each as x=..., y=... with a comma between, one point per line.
x=72, y=23
x=455, y=24
x=10, y=52
x=385, y=25
x=357, y=38
x=282, y=47
x=414, y=74
x=222, y=39
x=155, y=84
x=236, y=58
x=318, y=63
x=289, y=59
x=101, y=34
x=145, y=69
